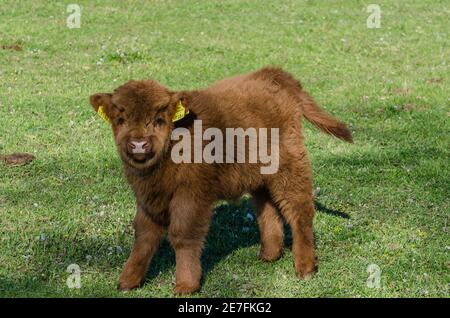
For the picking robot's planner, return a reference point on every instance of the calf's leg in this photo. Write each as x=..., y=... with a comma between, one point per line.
x=148, y=235
x=270, y=226
x=291, y=189
x=188, y=228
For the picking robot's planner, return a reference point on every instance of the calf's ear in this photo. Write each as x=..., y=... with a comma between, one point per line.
x=179, y=107
x=101, y=102
x=100, y=99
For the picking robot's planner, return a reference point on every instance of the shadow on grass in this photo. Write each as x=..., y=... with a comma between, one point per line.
x=233, y=227
x=322, y=208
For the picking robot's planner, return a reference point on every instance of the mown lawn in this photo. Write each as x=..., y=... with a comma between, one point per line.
x=383, y=200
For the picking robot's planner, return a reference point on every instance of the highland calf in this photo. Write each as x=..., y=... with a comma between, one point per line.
x=175, y=198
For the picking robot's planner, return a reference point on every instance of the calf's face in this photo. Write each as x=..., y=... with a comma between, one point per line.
x=140, y=113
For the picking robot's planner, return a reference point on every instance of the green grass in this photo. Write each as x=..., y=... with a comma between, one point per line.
x=72, y=205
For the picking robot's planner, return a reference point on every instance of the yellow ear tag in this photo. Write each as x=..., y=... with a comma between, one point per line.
x=180, y=112
x=102, y=114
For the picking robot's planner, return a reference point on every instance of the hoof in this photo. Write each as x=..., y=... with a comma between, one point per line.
x=270, y=257
x=307, y=275
x=123, y=287
x=183, y=289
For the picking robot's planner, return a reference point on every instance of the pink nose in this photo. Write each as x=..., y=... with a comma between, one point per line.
x=138, y=146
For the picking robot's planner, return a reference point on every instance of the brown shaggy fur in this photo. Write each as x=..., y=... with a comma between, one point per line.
x=176, y=199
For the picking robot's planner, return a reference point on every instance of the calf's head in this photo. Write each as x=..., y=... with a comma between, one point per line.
x=140, y=113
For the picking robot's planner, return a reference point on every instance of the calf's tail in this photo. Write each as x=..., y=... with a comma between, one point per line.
x=319, y=118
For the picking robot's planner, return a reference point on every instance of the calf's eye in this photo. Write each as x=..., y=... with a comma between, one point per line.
x=120, y=121
x=159, y=122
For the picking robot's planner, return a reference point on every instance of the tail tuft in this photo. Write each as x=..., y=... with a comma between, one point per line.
x=322, y=120
x=342, y=132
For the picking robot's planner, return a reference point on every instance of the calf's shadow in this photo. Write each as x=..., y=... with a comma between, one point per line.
x=233, y=227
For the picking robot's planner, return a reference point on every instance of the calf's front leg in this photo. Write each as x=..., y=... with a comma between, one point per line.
x=148, y=235
x=187, y=231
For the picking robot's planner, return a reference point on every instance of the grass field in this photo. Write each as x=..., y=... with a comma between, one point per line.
x=383, y=200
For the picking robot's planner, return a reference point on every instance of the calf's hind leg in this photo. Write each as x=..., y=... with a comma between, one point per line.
x=292, y=192
x=270, y=226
